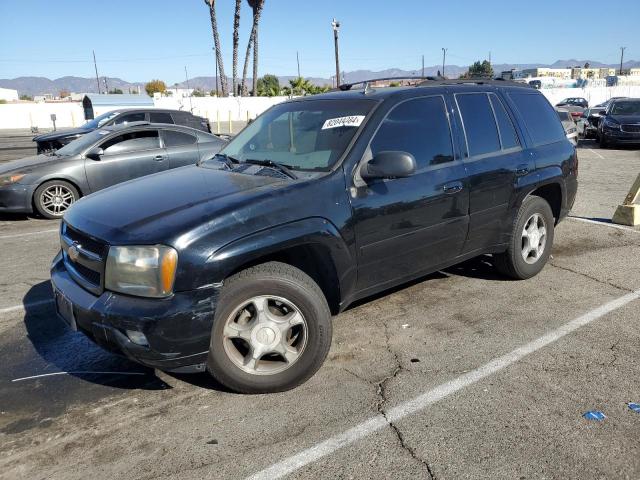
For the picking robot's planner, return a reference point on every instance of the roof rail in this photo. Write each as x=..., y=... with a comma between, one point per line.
x=474, y=81
x=137, y=123
x=348, y=86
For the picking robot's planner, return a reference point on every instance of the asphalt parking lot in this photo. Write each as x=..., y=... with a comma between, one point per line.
x=463, y=374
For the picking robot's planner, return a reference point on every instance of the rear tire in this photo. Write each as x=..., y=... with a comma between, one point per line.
x=271, y=330
x=53, y=198
x=531, y=240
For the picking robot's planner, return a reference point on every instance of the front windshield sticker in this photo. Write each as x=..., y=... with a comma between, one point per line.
x=351, y=121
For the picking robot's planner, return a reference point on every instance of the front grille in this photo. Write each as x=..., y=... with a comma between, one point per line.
x=631, y=128
x=85, y=258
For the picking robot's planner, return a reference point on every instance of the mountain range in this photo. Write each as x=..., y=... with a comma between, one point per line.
x=42, y=85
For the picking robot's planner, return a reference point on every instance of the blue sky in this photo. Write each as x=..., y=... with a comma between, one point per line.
x=141, y=39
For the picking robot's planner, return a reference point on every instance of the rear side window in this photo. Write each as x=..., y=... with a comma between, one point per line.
x=539, y=116
x=479, y=123
x=173, y=138
x=160, y=117
x=419, y=127
x=508, y=133
x=130, y=117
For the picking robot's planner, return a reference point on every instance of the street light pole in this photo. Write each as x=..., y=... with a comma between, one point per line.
x=622, y=49
x=336, y=28
x=444, y=58
x=95, y=65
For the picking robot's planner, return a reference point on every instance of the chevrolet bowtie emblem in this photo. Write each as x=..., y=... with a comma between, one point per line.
x=74, y=251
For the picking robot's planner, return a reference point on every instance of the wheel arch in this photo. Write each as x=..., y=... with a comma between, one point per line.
x=553, y=194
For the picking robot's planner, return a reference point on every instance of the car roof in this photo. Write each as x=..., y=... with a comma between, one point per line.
x=146, y=125
x=149, y=109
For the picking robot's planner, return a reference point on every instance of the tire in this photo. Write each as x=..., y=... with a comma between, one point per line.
x=512, y=262
x=285, y=292
x=53, y=198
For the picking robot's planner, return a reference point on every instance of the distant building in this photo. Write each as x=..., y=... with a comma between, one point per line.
x=562, y=73
x=631, y=72
x=511, y=74
x=8, y=95
x=43, y=98
x=591, y=73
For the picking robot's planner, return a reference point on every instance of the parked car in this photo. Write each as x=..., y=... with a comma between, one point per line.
x=574, y=105
x=588, y=123
x=620, y=123
x=606, y=103
x=51, y=183
x=52, y=141
x=569, y=124
x=319, y=202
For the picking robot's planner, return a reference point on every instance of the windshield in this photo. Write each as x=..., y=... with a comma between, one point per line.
x=82, y=143
x=302, y=135
x=100, y=120
x=626, y=108
x=564, y=116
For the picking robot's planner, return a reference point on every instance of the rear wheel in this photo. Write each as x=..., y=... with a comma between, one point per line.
x=271, y=330
x=53, y=198
x=531, y=240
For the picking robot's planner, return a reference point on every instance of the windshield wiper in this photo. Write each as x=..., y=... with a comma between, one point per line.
x=228, y=161
x=270, y=163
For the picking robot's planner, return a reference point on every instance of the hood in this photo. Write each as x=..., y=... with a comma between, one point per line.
x=25, y=165
x=61, y=134
x=158, y=208
x=626, y=119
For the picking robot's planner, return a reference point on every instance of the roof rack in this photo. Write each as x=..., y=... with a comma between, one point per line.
x=348, y=86
x=473, y=81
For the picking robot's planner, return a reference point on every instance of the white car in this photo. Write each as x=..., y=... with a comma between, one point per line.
x=569, y=124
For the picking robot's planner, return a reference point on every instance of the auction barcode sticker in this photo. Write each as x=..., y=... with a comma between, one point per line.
x=351, y=121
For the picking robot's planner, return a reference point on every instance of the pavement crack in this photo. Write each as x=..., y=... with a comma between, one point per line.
x=603, y=282
x=614, y=349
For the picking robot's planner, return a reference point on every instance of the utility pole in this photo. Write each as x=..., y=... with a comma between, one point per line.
x=298, y=60
x=186, y=75
x=95, y=65
x=444, y=59
x=336, y=28
x=423, y=65
x=622, y=49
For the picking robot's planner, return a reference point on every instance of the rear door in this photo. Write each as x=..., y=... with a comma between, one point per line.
x=493, y=159
x=181, y=147
x=126, y=156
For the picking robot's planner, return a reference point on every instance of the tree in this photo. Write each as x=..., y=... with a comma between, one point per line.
x=268, y=86
x=256, y=6
x=64, y=93
x=27, y=98
x=115, y=91
x=155, y=86
x=236, y=41
x=216, y=41
x=197, y=93
x=479, y=70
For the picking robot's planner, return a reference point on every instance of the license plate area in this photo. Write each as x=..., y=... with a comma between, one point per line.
x=64, y=308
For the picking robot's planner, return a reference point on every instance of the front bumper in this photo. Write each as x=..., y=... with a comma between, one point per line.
x=618, y=136
x=178, y=329
x=16, y=198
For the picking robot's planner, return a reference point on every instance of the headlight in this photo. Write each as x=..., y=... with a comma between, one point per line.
x=611, y=124
x=141, y=271
x=12, y=178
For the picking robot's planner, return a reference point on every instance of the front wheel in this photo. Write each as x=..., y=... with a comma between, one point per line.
x=271, y=331
x=531, y=240
x=53, y=198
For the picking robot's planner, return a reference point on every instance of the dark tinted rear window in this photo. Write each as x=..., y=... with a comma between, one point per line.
x=540, y=118
x=479, y=123
x=160, y=117
x=507, y=130
x=173, y=138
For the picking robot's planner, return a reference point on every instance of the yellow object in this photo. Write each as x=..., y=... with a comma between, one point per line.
x=218, y=121
x=230, y=124
x=629, y=212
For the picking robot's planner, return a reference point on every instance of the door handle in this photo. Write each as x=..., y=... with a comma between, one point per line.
x=522, y=170
x=159, y=158
x=452, y=188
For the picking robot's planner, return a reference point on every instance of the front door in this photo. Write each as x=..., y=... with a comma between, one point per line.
x=126, y=156
x=407, y=225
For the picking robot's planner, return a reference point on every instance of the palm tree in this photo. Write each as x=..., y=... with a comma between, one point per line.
x=216, y=41
x=236, y=41
x=256, y=6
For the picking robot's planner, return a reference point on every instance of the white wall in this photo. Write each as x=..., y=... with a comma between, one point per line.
x=8, y=94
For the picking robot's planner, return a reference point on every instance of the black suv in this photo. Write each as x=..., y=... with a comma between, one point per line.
x=620, y=123
x=53, y=141
x=237, y=264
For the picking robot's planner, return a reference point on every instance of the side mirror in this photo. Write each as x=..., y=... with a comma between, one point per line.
x=95, y=153
x=389, y=164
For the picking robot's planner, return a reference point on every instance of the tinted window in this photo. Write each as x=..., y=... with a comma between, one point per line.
x=131, y=142
x=419, y=127
x=173, y=138
x=160, y=117
x=130, y=117
x=508, y=133
x=479, y=123
x=539, y=116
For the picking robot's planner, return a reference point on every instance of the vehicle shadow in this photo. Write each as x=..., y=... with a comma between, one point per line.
x=72, y=352
x=14, y=217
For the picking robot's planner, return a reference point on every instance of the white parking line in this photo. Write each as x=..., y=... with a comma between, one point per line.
x=305, y=457
x=75, y=373
x=18, y=235
x=604, y=224
x=17, y=308
x=596, y=153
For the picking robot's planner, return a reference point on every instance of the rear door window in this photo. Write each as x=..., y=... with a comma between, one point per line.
x=419, y=127
x=479, y=123
x=160, y=117
x=173, y=138
x=540, y=118
x=508, y=133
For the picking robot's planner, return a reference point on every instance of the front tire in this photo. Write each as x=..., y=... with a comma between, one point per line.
x=271, y=331
x=53, y=198
x=531, y=240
